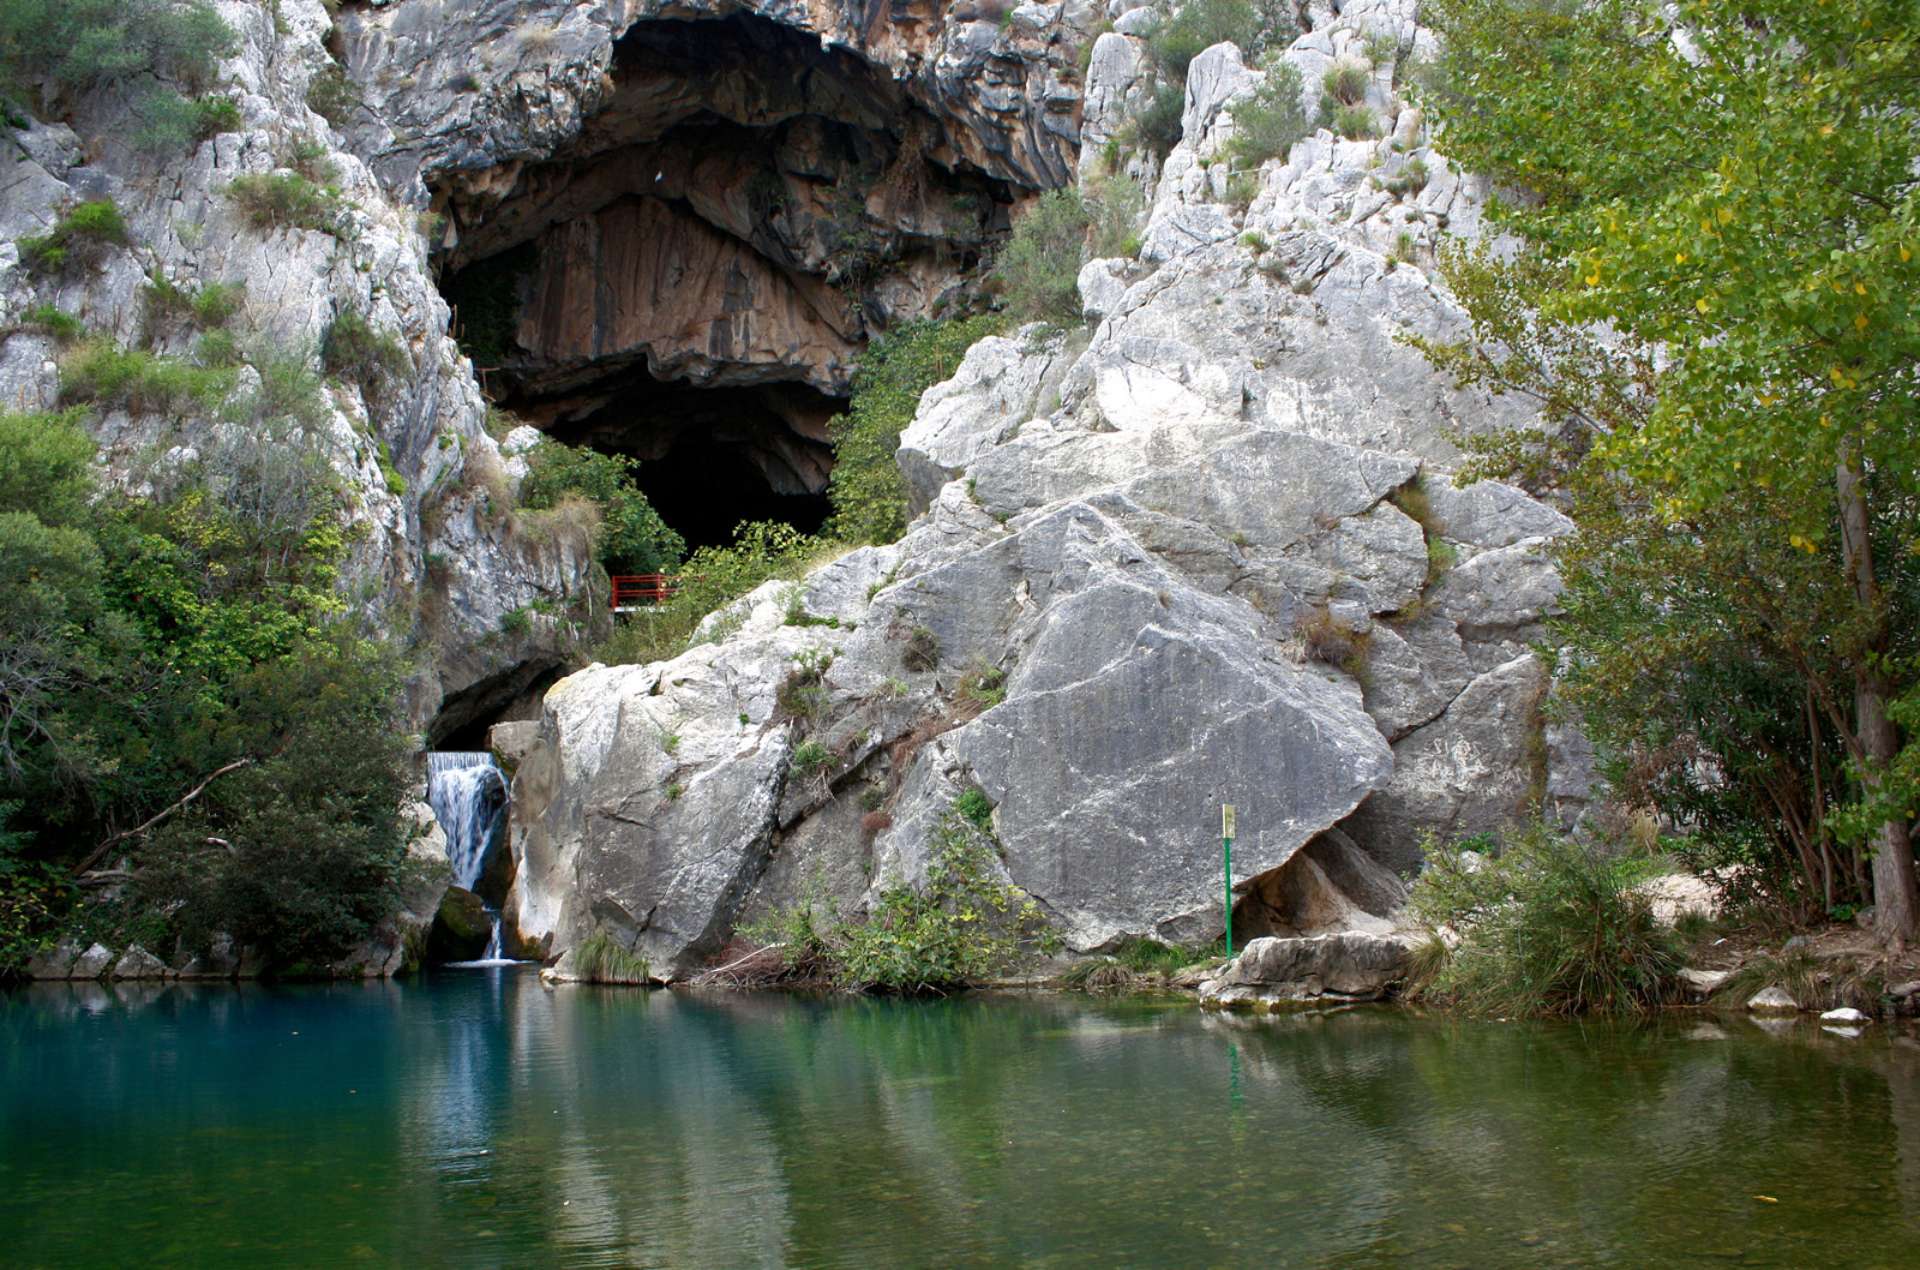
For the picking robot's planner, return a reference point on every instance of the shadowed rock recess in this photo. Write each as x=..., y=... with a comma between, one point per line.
x=669, y=234
x=1208, y=549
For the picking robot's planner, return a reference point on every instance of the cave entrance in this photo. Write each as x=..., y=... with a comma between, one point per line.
x=690, y=280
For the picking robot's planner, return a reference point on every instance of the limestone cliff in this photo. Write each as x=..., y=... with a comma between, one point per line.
x=1208, y=549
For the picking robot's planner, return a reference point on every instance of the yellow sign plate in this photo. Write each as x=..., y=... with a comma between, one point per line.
x=1226, y=820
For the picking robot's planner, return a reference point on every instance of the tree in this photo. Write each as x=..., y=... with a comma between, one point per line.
x=1717, y=218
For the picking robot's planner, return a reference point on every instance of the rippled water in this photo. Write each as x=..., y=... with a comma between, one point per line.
x=477, y=1119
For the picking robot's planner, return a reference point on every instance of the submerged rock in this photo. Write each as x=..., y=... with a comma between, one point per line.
x=1845, y=1014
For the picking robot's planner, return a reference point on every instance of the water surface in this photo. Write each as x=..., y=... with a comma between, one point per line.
x=477, y=1119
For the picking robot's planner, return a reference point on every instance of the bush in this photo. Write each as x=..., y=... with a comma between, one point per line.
x=277, y=200
x=1114, y=206
x=1547, y=927
x=98, y=373
x=1327, y=639
x=300, y=853
x=208, y=307
x=601, y=958
x=1355, y=123
x=78, y=239
x=353, y=350
x=630, y=537
x=869, y=497
x=1040, y=265
x=170, y=122
x=1201, y=24
x=1155, y=124
x=78, y=44
x=53, y=321
x=960, y=926
x=1346, y=81
x=332, y=96
x=1268, y=124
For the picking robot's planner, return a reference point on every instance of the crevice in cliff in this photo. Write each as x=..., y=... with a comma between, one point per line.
x=691, y=279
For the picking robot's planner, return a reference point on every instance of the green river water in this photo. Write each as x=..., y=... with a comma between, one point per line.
x=474, y=1118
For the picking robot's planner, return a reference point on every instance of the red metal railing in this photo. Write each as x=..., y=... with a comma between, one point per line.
x=632, y=590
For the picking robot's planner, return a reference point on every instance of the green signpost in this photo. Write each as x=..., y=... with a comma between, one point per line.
x=1226, y=865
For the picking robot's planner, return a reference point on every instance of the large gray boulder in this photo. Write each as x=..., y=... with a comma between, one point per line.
x=1349, y=965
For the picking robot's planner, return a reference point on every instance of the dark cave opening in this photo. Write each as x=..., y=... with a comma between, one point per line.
x=690, y=281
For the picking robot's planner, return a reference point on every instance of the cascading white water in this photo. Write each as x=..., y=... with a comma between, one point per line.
x=468, y=794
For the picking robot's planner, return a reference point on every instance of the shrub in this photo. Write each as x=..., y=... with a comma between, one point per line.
x=78, y=239
x=1155, y=123
x=485, y=297
x=959, y=926
x=211, y=306
x=280, y=200
x=1355, y=123
x=1410, y=179
x=98, y=373
x=920, y=651
x=1346, y=81
x=974, y=804
x=811, y=758
x=353, y=349
x=1200, y=24
x=869, y=497
x=332, y=96
x=1328, y=639
x=53, y=321
x=78, y=44
x=1268, y=124
x=600, y=958
x=1114, y=206
x=169, y=122
x=1547, y=927
x=630, y=537
x=1040, y=265
x=984, y=686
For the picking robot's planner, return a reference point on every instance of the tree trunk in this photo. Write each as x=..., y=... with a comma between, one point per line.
x=1896, y=892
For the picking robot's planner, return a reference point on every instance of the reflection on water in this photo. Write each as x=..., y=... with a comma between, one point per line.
x=478, y=1119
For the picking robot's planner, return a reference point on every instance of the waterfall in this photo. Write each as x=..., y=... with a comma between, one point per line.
x=468, y=794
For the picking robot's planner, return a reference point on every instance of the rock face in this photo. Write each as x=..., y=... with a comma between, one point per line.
x=434, y=558
x=1210, y=551
x=744, y=190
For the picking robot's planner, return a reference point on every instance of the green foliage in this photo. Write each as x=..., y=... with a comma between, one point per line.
x=869, y=497
x=285, y=200
x=1740, y=448
x=959, y=926
x=1114, y=205
x=77, y=240
x=1346, y=81
x=810, y=758
x=711, y=578
x=1355, y=123
x=389, y=474
x=600, y=958
x=1155, y=123
x=353, y=349
x=75, y=45
x=1266, y=125
x=976, y=807
x=332, y=96
x=1039, y=267
x=169, y=122
x=209, y=307
x=95, y=372
x=1546, y=927
x=34, y=898
x=984, y=686
x=191, y=639
x=631, y=537
x=1200, y=24
x=52, y=320
x=300, y=853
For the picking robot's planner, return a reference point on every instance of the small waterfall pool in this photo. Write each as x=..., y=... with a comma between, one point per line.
x=468, y=794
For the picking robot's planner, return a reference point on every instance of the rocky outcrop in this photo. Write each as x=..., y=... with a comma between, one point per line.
x=1345, y=966
x=434, y=555
x=1209, y=551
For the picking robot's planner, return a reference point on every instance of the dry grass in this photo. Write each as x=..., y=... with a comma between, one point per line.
x=1327, y=639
